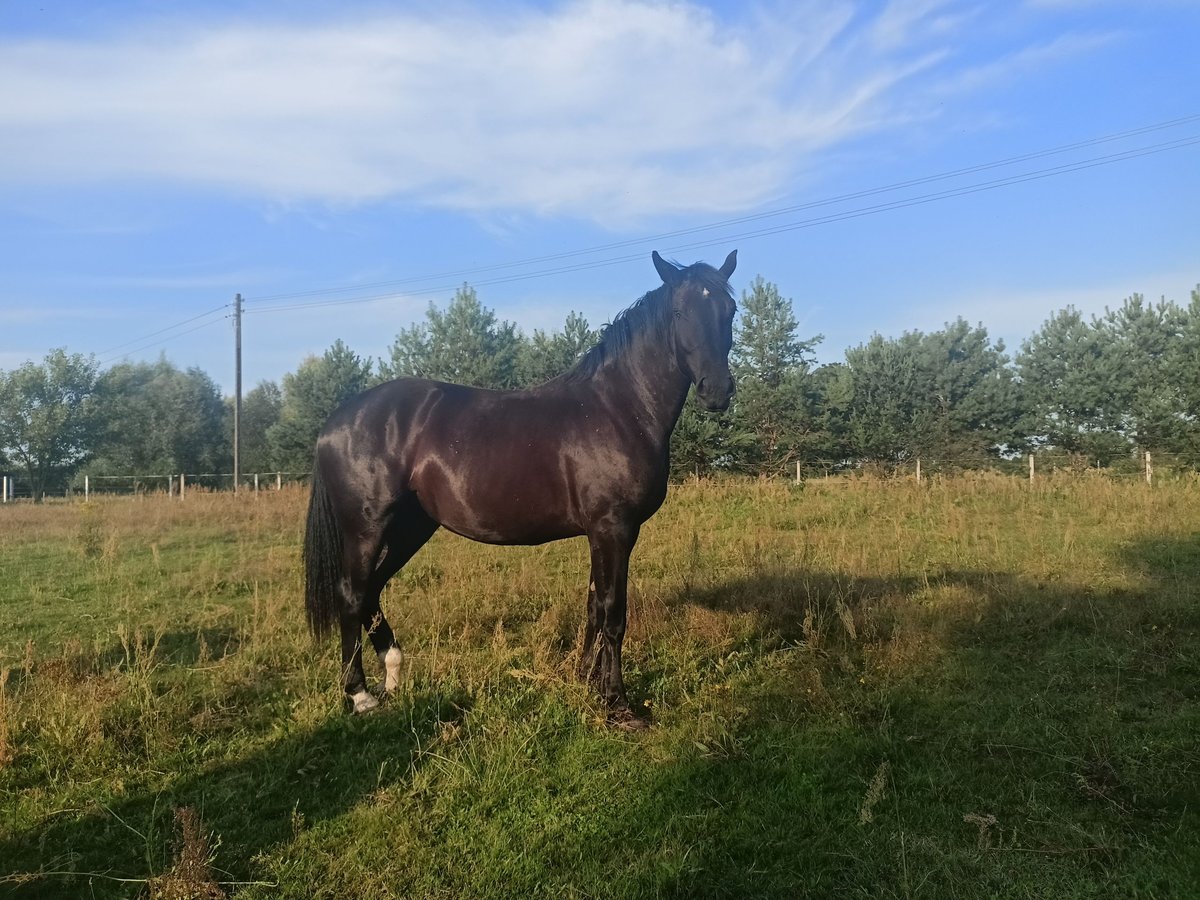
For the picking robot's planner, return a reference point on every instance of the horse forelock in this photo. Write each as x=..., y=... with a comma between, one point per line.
x=707, y=278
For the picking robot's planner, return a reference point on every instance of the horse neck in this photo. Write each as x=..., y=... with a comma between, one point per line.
x=656, y=386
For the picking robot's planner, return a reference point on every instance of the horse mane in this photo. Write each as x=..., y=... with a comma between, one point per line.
x=650, y=314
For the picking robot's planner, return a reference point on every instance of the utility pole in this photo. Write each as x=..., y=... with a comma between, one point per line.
x=237, y=391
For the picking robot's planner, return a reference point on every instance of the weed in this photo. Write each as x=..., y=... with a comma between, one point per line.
x=190, y=876
x=875, y=793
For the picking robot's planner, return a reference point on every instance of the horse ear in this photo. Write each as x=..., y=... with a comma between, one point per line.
x=666, y=271
x=730, y=264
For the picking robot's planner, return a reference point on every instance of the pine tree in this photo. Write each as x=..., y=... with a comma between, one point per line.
x=948, y=396
x=464, y=344
x=775, y=400
x=310, y=395
x=543, y=356
x=1183, y=365
x=1141, y=339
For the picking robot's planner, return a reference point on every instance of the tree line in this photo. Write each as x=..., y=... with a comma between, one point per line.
x=1093, y=390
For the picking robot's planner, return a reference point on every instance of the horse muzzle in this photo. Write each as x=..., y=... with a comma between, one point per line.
x=715, y=393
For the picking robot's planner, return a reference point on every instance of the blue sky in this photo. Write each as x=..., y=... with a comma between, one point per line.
x=156, y=159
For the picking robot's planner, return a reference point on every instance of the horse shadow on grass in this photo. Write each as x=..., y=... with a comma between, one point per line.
x=1096, y=785
x=789, y=604
x=254, y=804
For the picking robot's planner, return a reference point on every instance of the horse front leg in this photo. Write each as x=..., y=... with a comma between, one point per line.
x=611, y=547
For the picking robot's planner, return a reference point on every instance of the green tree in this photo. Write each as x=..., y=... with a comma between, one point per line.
x=1062, y=367
x=158, y=419
x=47, y=417
x=1103, y=388
x=704, y=442
x=949, y=396
x=832, y=391
x=1142, y=339
x=775, y=401
x=310, y=395
x=765, y=345
x=464, y=344
x=1183, y=366
x=261, y=409
x=543, y=356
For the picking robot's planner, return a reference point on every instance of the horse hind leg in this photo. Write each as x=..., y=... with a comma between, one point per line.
x=354, y=680
x=359, y=596
x=407, y=534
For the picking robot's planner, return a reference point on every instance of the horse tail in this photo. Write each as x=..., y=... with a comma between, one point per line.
x=322, y=559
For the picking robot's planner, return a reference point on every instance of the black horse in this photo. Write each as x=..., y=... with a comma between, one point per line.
x=583, y=454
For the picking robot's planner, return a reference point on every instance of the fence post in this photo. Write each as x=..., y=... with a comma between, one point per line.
x=4, y=479
x=182, y=482
x=918, y=470
x=255, y=484
x=279, y=481
x=1031, y=468
x=87, y=488
x=1149, y=470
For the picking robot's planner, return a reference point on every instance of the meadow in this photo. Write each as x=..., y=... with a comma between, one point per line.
x=970, y=687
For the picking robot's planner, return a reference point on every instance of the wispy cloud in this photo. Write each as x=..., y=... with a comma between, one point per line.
x=1026, y=61
x=602, y=109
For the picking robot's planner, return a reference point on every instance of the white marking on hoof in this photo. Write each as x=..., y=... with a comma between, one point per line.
x=391, y=663
x=363, y=702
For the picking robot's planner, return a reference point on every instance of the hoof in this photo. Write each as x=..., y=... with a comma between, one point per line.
x=362, y=703
x=624, y=719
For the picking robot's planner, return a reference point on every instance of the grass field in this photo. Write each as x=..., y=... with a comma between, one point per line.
x=967, y=688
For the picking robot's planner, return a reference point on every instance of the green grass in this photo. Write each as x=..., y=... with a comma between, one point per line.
x=867, y=688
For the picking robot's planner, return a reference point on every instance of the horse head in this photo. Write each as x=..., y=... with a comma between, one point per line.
x=702, y=310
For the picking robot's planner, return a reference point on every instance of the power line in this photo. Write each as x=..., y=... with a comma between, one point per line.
x=143, y=337
x=921, y=199
x=172, y=337
x=725, y=223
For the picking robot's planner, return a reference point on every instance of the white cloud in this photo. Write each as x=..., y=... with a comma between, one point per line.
x=601, y=109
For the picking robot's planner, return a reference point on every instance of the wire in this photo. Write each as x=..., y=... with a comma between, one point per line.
x=131, y=351
x=841, y=198
x=135, y=340
x=875, y=209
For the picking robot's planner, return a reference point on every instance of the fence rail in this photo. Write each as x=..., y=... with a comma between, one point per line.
x=178, y=484
x=1140, y=467
x=1032, y=468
